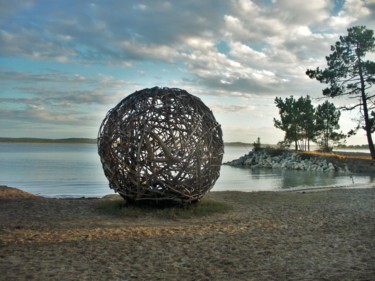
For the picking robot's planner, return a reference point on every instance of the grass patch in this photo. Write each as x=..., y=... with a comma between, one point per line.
x=205, y=207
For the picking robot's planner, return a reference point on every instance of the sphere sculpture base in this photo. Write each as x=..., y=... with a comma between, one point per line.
x=161, y=144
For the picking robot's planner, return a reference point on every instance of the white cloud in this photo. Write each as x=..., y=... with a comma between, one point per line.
x=235, y=28
x=198, y=43
x=295, y=12
x=352, y=11
x=244, y=52
x=149, y=51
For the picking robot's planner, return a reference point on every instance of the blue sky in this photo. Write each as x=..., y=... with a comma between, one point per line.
x=65, y=63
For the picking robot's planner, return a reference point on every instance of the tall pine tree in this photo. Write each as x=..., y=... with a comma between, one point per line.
x=349, y=74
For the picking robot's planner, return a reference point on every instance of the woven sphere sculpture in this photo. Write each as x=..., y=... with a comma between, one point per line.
x=161, y=144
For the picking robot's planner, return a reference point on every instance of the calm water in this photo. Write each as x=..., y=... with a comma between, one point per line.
x=75, y=170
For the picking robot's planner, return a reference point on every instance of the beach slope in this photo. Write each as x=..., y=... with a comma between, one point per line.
x=321, y=235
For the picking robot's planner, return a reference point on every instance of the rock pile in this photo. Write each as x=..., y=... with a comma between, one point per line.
x=281, y=159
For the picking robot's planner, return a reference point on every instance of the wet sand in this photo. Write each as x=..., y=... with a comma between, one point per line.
x=325, y=235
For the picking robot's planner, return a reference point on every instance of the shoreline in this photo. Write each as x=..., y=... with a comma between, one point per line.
x=290, y=189
x=330, y=187
x=266, y=235
x=333, y=162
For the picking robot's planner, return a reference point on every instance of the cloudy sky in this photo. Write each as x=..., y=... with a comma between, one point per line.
x=65, y=63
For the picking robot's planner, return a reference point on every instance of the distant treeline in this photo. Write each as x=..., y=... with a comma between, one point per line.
x=40, y=140
x=237, y=144
x=362, y=146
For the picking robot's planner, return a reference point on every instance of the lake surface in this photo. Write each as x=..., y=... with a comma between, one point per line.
x=74, y=170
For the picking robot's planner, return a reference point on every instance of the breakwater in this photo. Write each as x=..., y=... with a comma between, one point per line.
x=283, y=159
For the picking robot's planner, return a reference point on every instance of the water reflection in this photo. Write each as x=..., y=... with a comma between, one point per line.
x=277, y=179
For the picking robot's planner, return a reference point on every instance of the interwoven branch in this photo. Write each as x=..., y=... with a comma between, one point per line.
x=161, y=144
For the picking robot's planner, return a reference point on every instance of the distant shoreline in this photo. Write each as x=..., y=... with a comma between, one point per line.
x=81, y=140
x=42, y=140
x=94, y=141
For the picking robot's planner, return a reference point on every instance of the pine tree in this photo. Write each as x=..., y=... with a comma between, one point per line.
x=327, y=122
x=349, y=74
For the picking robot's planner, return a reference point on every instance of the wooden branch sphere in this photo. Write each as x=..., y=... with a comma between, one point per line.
x=161, y=144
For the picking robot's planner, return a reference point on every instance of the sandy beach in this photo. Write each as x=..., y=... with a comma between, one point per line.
x=325, y=235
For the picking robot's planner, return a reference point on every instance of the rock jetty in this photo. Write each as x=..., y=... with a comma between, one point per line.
x=284, y=159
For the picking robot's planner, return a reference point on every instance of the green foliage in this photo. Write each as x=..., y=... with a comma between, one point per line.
x=271, y=151
x=327, y=122
x=288, y=118
x=296, y=120
x=205, y=207
x=372, y=122
x=349, y=74
x=303, y=123
x=284, y=144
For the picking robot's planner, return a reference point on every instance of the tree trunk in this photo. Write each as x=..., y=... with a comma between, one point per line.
x=368, y=128
x=365, y=111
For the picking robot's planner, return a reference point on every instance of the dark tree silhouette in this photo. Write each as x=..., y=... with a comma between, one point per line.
x=327, y=118
x=349, y=74
x=296, y=120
